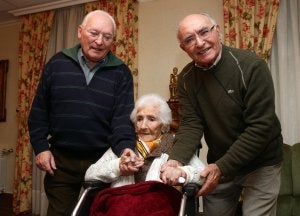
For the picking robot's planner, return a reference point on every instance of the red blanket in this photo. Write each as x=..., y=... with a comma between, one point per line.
x=149, y=198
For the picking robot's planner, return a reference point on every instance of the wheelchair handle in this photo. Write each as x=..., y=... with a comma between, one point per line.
x=189, y=192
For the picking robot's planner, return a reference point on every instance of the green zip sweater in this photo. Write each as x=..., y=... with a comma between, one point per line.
x=232, y=105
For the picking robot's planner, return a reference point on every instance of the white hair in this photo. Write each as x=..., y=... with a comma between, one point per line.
x=102, y=12
x=154, y=100
x=212, y=20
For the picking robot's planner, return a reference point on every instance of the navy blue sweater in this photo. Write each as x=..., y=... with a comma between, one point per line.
x=69, y=114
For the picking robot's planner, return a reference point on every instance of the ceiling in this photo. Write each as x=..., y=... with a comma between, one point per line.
x=20, y=7
x=8, y=5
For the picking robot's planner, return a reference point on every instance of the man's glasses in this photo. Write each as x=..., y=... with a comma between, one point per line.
x=94, y=34
x=203, y=34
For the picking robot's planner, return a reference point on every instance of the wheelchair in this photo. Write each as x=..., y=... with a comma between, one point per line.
x=188, y=206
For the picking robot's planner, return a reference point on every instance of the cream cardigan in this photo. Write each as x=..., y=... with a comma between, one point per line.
x=107, y=169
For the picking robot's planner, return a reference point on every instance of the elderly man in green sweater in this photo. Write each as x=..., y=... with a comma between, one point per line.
x=227, y=96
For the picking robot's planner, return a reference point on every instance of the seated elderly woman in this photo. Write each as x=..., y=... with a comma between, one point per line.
x=151, y=117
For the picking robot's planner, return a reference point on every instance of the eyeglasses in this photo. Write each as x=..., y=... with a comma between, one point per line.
x=203, y=34
x=94, y=34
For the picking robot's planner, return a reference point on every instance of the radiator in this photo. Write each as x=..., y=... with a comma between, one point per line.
x=3, y=168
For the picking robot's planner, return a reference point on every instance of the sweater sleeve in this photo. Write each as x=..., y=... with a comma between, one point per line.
x=190, y=130
x=38, y=121
x=193, y=170
x=123, y=134
x=106, y=169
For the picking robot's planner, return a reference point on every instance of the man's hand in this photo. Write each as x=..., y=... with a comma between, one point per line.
x=45, y=161
x=212, y=175
x=130, y=162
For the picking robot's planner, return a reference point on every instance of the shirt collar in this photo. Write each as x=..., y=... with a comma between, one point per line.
x=82, y=59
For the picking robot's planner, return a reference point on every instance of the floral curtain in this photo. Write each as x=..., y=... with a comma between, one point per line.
x=125, y=13
x=250, y=24
x=33, y=44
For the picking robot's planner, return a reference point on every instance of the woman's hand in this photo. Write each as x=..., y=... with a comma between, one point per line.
x=170, y=172
x=130, y=162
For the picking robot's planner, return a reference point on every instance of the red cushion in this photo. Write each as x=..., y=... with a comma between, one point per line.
x=149, y=198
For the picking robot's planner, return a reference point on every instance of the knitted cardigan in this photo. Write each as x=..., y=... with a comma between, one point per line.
x=107, y=169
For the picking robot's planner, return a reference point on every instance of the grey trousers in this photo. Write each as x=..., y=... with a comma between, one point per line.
x=258, y=191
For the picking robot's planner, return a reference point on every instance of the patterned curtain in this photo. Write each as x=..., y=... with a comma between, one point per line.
x=250, y=24
x=33, y=44
x=125, y=13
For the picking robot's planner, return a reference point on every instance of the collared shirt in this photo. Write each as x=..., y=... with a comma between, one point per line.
x=88, y=72
x=215, y=62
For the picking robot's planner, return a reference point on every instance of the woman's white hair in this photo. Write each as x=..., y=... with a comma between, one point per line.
x=102, y=12
x=154, y=100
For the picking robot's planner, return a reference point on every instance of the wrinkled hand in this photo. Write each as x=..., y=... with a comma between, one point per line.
x=212, y=175
x=45, y=161
x=170, y=172
x=130, y=162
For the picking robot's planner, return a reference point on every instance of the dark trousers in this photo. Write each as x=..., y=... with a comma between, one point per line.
x=64, y=187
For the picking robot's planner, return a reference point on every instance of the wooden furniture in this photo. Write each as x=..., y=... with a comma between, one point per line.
x=173, y=101
x=174, y=106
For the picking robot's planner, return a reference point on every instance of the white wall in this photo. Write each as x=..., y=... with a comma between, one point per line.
x=159, y=50
x=8, y=129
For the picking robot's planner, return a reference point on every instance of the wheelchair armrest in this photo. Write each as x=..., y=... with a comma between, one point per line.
x=95, y=184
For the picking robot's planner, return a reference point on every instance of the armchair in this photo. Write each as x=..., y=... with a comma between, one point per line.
x=288, y=202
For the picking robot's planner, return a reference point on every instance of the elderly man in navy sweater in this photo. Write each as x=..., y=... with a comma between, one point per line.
x=81, y=108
